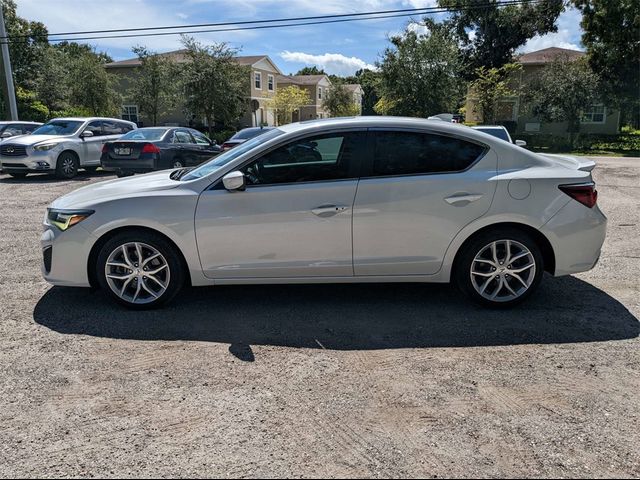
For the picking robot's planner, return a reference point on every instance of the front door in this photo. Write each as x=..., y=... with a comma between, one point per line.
x=418, y=191
x=293, y=219
x=92, y=146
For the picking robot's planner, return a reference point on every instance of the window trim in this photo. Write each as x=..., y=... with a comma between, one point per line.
x=259, y=75
x=271, y=83
x=591, y=122
x=130, y=105
x=368, y=161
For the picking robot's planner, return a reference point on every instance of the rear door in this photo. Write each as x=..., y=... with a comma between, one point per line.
x=420, y=189
x=187, y=150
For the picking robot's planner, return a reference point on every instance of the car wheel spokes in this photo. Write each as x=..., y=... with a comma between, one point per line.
x=137, y=272
x=503, y=270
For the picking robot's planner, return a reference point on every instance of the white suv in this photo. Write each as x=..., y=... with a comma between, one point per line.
x=61, y=146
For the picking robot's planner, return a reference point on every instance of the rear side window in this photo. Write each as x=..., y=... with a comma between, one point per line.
x=181, y=136
x=414, y=153
x=95, y=127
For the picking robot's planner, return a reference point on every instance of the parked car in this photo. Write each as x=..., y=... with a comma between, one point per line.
x=500, y=132
x=244, y=135
x=379, y=199
x=61, y=146
x=157, y=148
x=13, y=129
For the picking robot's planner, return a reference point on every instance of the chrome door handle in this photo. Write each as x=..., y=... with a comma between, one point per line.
x=329, y=210
x=461, y=200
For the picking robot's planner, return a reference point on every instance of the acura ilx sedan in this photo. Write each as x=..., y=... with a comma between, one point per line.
x=368, y=199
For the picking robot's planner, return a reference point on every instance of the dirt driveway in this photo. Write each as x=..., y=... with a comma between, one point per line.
x=314, y=381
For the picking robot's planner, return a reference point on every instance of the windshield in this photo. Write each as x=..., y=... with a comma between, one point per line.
x=144, y=134
x=496, y=132
x=224, y=158
x=249, y=133
x=58, y=127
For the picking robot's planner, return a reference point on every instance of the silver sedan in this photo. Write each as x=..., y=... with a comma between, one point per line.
x=368, y=199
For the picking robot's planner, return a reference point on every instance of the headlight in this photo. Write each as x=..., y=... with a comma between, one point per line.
x=64, y=219
x=44, y=146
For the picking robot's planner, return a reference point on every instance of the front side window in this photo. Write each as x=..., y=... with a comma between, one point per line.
x=414, y=153
x=130, y=113
x=257, y=78
x=200, y=138
x=594, y=114
x=270, y=83
x=114, y=128
x=95, y=127
x=312, y=159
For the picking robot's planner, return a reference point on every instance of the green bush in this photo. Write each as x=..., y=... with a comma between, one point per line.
x=586, y=143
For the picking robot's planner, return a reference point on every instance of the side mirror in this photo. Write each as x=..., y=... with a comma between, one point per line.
x=86, y=134
x=6, y=135
x=521, y=143
x=233, y=181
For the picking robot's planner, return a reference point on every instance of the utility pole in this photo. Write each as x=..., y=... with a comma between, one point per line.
x=11, y=110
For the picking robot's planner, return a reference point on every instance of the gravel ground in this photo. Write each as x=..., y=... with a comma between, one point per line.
x=321, y=381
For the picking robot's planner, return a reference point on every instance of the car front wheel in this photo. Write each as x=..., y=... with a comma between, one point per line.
x=67, y=165
x=140, y=270
x=500, y=268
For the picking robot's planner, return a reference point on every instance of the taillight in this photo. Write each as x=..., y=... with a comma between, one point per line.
x=226, y=146
x=104, y=148
x=150, y=148
x=585, y=193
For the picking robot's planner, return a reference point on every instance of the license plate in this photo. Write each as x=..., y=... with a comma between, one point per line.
x=123, y=151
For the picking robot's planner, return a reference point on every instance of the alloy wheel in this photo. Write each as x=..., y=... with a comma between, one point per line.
x=503, y=270
x=68, y=166
x=137, y=273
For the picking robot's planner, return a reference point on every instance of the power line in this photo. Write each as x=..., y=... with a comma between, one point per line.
x=321, y=19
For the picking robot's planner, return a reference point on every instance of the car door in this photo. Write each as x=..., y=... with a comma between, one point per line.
x=205, y=149
x=293, y=219
x=419, y=190
x=92, y=146
x=186, y=146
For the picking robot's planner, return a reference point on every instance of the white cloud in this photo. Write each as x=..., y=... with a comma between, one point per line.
x=567, y=36
x=334, y=63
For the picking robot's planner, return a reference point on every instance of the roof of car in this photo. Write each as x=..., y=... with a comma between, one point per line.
x=7, y=122
x=90, y=119
x=498, y=127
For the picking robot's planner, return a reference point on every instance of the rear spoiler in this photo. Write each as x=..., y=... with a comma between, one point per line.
x=579, y=163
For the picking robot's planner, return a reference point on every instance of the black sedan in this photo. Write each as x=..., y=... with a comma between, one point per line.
x=157, y=148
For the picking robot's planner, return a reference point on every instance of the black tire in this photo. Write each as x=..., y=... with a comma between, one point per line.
x=175, y=269
x=462, y=275
x=67, y=165
x=121, y=174
x=177, y=163
x=18, y=175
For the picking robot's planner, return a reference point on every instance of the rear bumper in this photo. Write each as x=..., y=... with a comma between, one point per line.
x=148, y=163
x=576, y=234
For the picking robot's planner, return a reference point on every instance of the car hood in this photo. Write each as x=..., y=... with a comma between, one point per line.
x=33, y=139
x=90, y=195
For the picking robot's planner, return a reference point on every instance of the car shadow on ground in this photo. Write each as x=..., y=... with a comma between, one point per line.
x=346, y=317
x=36, y=178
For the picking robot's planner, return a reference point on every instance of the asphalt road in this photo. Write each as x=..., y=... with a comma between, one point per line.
x=321, y=381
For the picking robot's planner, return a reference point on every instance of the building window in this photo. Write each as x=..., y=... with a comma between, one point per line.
x=594, y=114
x=319, y=93
x=270, y=82
x=257, y=80
x=130, y=113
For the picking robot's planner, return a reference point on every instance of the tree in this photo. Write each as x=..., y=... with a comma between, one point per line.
x=368, y=80
x=286, y=101
x=51, y=83
x=561, y=92
x=30, y=107
x=311, y=71
x=153, y=88
x=420, y=73
x=489, y=33
x=490, y=86
x=215, y=86
x=91, y=86
x=613, y=49
x=339, y=102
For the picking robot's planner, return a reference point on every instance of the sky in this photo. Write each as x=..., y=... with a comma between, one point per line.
x=340, y=48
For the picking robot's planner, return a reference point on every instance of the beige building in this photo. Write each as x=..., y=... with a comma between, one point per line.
x=357, y=93
x=316, y=86
x=262, y=80
x=597, y=119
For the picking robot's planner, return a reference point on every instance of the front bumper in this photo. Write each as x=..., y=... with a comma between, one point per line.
x=576, y=234
x=65, y=255
x=37, y=162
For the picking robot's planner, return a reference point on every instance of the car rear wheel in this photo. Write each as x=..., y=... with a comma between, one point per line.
x=140, y=270
x=67, y=165
x=500, y=268
x=178, y=164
